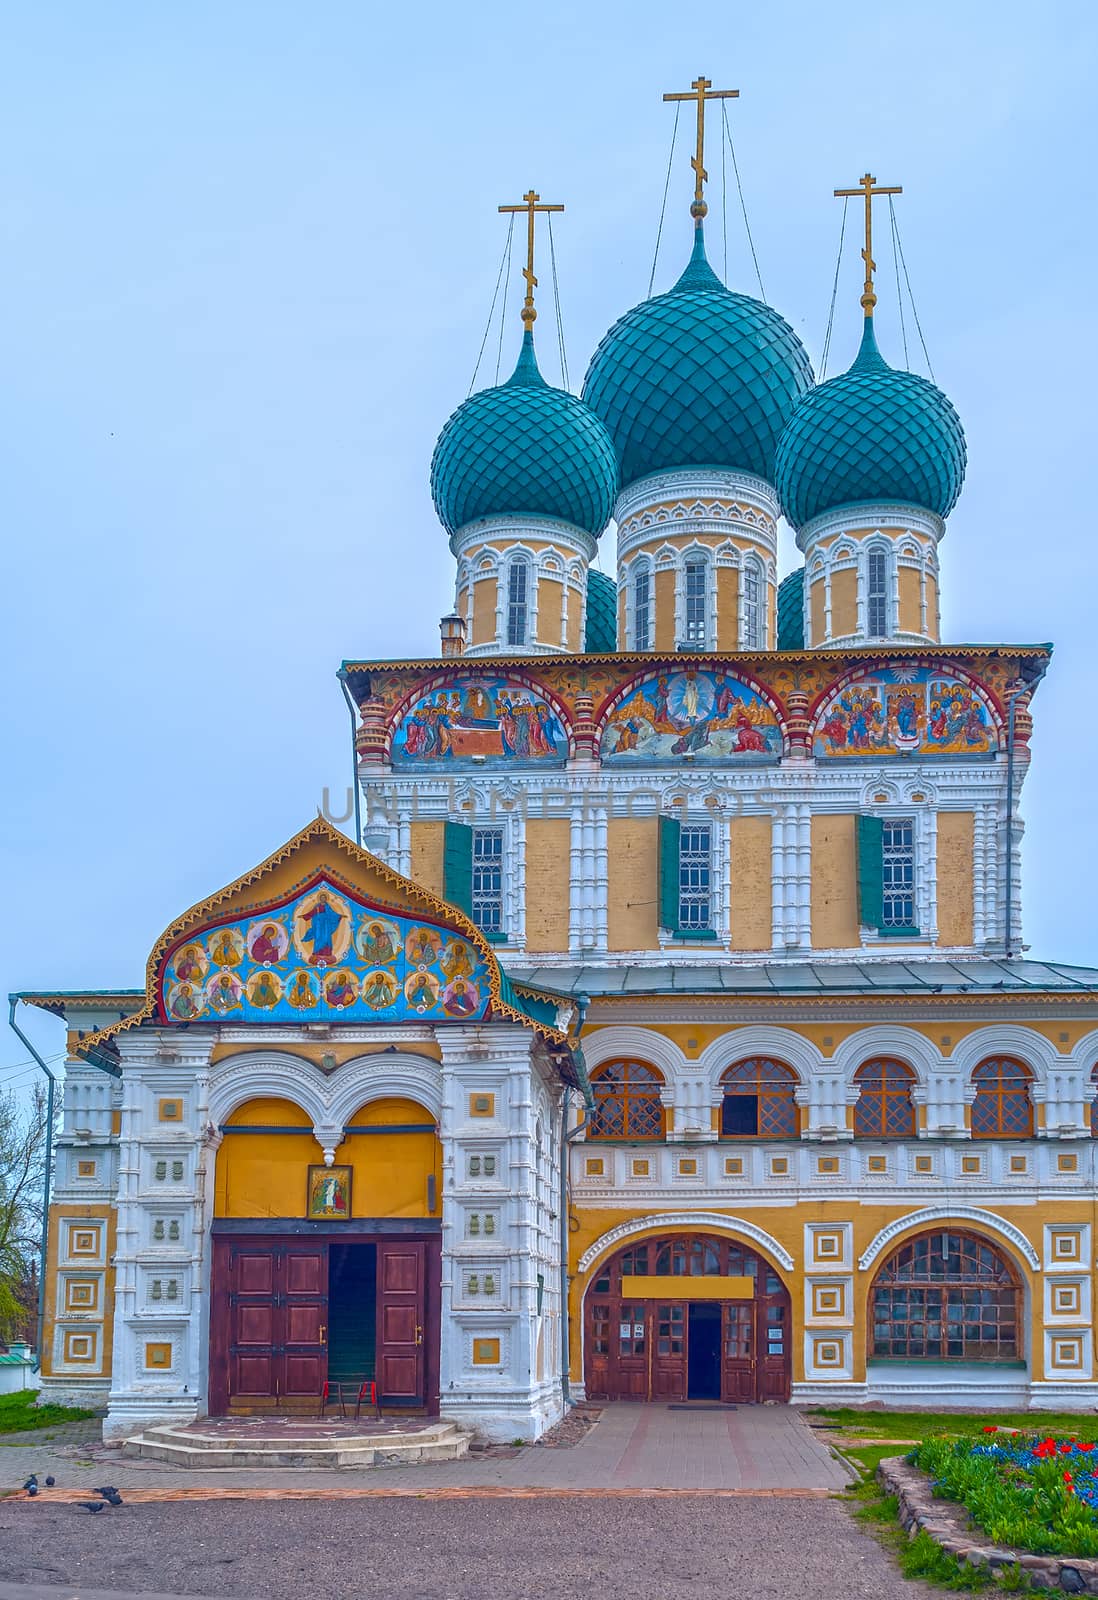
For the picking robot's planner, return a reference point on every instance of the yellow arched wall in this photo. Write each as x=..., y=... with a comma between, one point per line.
x=266, y=1174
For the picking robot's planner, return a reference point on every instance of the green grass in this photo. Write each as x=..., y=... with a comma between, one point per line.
x=925, y=1424
x=19, y=1414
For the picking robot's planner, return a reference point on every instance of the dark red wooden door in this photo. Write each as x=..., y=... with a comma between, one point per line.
x=738, y=1352
x=304, y=1318
x=253, y=1322
x=668, y=1353
x=272, y=1322
x=401, y=1280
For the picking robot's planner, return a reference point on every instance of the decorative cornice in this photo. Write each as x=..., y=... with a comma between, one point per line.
x=696, y=1222
x=700, y=483
x=513, y=530
x=931, y=1215
x=877, y=515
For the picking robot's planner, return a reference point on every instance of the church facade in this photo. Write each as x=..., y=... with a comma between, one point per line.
x=662, y=1033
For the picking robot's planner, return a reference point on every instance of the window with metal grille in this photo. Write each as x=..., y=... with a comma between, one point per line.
x=758, y=1100
x=642, y=606
x=876, y=592
x=627, y=1102
x=695, y=879
x=898, y=872
x=1002, y=1108
x=695, y=595
x=947, y=1296
x=883, y=1109
x=752, y=608
x=518, y=581
x=487, y=903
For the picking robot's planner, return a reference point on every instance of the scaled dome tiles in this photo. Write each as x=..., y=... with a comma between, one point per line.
x=697, y=377
x=524, y=449
x=875, y=434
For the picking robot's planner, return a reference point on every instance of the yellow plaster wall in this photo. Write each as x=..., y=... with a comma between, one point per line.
x=956, y=831
x=548, y=856
x=426, y=851
x=817, y=612
x=834, y=898
x=484, y=610
x=933, y=620
x=575, y=618
x=844, y=602
x=750, y=881
x=728, y=608
x=101, y=1320
x=664, y=590
x=632, y=913
x=771, y=616
x=391, y=1169
x=550, y=610
x=621, y=619
x=910, y=601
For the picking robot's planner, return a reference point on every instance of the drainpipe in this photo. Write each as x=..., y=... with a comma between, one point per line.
x=566, y=1138
x=51, y=1081
x=353, y=709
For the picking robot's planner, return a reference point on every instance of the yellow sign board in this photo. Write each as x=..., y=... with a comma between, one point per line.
x=680, y=1287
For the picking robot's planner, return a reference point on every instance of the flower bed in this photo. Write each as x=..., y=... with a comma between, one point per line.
x=1031, y=1493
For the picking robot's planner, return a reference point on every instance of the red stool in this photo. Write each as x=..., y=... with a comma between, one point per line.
x=367, y=1390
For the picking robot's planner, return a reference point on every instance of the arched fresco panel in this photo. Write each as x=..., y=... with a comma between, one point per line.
x=905, y=711
x=690, y=712
x=320, y=954
x=496, y=720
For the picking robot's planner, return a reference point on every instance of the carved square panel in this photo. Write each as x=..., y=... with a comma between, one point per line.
x=158, y=1355
x=688, y=1167
x=827, y=1166
x=594, y=1167
x=733, y=1166
x=1067, y=1162
x=482, y=1105
x=640, y=1168
x=486, y=1352
x=81, y=1294
x=80, y=1346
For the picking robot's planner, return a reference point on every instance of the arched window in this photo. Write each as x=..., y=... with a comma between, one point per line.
x=1002, y=1108
x=947, y=1296
x=627, y=1102
x=518, y=600
x=883, y=1109
x=876, y=591
x=642, y=604
x=753, y=607
x=758, y=1100
x=695, y=602
x=1094, y=1100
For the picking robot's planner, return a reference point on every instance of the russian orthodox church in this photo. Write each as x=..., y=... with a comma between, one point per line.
x=662, y=1033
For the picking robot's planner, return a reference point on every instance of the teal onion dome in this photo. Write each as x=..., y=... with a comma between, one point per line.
x=874, y=434
x=524, y=449
x=601, y=631
x=791, y=611
x=697, y=377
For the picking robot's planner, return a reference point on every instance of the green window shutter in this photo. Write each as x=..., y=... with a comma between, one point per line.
x=870, y=871
x=457, y=866
x=670, y=832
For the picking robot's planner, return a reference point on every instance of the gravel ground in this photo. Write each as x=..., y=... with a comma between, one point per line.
x=541, y=1549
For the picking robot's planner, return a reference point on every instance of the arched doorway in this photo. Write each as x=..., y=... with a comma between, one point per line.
x=687, y=1317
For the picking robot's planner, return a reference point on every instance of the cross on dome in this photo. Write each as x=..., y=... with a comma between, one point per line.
x=866, y=187
x=701, y=90
x=530, y=204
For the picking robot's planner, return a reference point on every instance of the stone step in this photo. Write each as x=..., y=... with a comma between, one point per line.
x=204, y=1451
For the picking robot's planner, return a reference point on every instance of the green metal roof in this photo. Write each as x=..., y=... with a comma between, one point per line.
x=524, y=449
x=697, y=377
x=601, y=635
x=873, y=434
x=919, y=977
x=791, y=611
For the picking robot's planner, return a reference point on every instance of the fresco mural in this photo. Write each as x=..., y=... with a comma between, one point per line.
x=320, y=953
x=492, y=718
x=906, y=711
x=687, y=713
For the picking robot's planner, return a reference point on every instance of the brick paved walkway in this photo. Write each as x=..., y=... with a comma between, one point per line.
x=632, y=1447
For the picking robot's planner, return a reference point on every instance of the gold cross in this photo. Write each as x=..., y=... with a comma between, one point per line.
x=866, y=188
x=530, y=204
x=701, y=91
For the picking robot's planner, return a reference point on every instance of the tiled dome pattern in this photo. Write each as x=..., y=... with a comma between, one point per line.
x=791, y=611
x=601, y=633
x=873, y=434
x=524, y=449
x=697, y=377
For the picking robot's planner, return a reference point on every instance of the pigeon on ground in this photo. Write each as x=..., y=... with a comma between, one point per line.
x=93, y=1505
x=114, y=1499
x=50, y=1482
x=32, y=1482
x=106, y=1491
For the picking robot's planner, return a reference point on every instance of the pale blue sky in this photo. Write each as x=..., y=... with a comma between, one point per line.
x=246, y=256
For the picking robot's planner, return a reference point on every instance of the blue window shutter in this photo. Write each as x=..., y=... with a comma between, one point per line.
x=870, y=871
x=669, y=838
x=457, y=866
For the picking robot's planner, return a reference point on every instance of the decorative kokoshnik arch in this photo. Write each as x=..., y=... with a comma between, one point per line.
x=933, y=1215
x=692, y=1222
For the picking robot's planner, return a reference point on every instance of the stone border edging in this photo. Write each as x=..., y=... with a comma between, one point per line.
x=949, y=1525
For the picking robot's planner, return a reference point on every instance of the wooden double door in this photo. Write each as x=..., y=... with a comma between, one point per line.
x=288, y=1313
x=733, y=1347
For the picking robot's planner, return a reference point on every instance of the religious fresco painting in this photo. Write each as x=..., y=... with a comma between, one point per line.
x=491, y=719
x=906, y=711
x=328, y=1194
x=322, y=952
x=679, y=715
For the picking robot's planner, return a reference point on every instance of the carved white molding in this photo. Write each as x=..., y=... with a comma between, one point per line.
x=873, y=517
x=696, y=1222
x=952, y=1213
x=691, y=485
